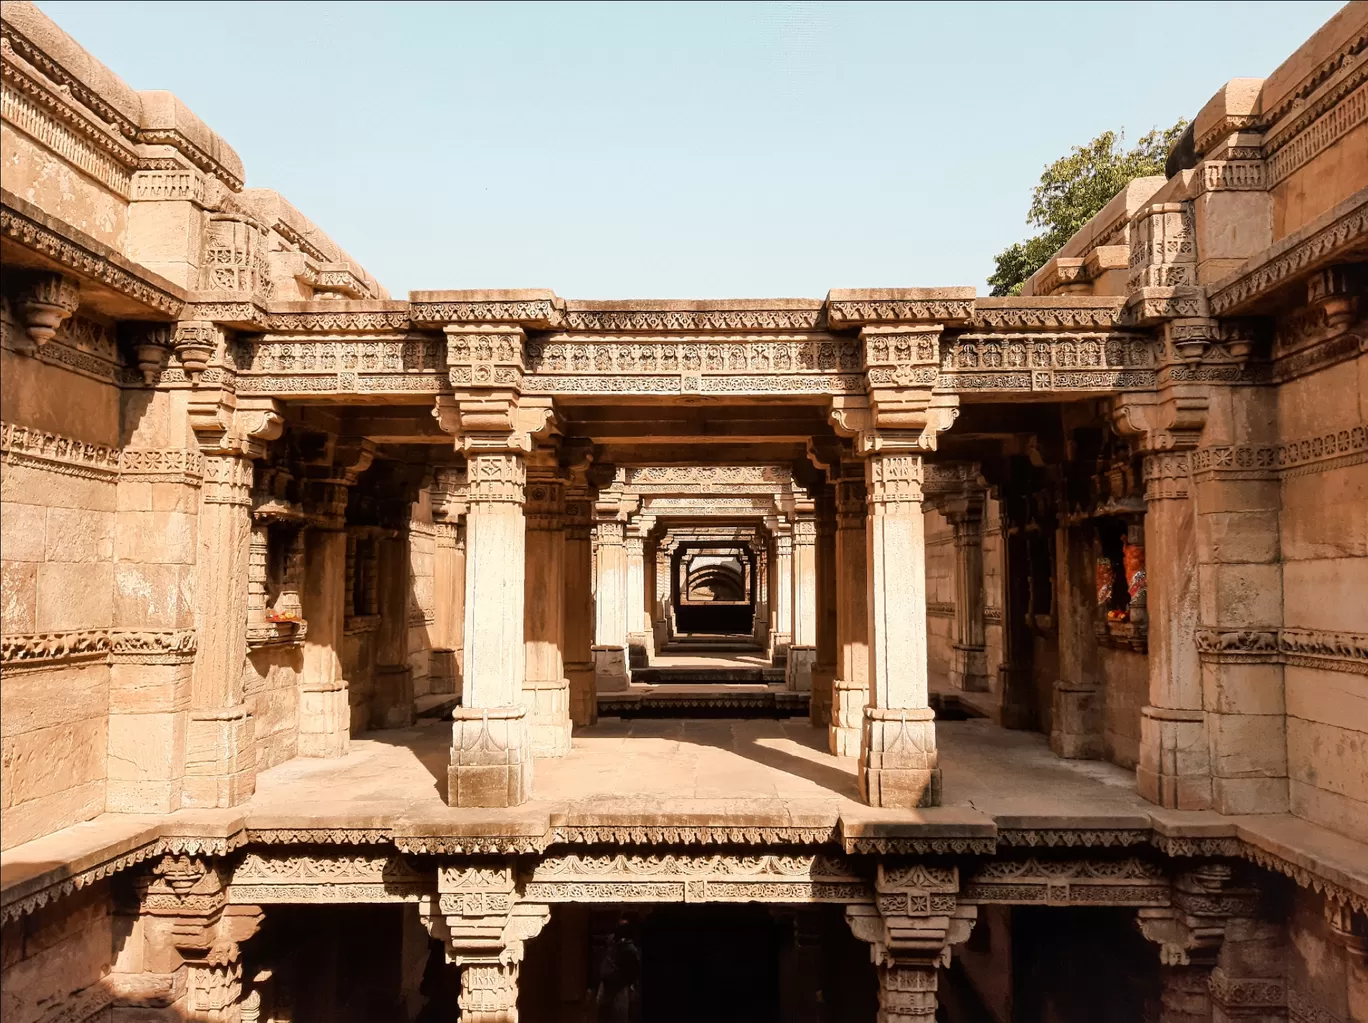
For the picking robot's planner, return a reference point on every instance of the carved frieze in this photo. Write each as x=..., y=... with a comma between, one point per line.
x=262, y=879
x=1064, y=882
x=683, y=878
x=21, y=445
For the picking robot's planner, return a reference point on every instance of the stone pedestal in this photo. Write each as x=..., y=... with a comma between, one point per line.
x=898, y=758
x=850, y=690
x=491, y=759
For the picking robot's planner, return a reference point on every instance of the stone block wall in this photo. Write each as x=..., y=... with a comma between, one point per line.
x=1125, y=687
x=1324, y=541
x=56, y=960
x=57, y=545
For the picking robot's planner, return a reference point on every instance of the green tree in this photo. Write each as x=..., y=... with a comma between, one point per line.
x=1071, y=192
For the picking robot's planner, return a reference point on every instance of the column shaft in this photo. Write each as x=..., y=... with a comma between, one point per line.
x=610, y=607
x=638, y=636
x=803, y=649
x=577, y=606
x=546, y=690
x=898, y=760
x=491, y=763
x=219, y=757
x=782, y=595
x=1175, y=763
x=1076, y=721
x=392, y=700
x=448, y=570
x=969, y=669
x=824, y=671
x=324, y=714
x=850, y=691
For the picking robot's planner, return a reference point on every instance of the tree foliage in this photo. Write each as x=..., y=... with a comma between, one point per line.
x=1071, y=192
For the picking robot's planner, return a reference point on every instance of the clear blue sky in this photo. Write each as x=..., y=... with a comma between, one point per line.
x=677, y=150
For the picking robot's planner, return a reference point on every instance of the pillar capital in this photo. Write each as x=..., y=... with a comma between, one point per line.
x=484, y=927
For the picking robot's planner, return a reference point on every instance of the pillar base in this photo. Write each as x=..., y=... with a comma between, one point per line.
x=1175, y=761
x=444, y=674
x=583, y=698
x=548, y=700
x=324, y=722
x=392, y=703
x=798, y=671
x=848, y=701
x=898, y=758
x=491, y=761
x=819, y=707
x=638, y=649
x=1076, y=728
x=610, y=669
x=779, y=649
x=220, y=758
x=969, y=669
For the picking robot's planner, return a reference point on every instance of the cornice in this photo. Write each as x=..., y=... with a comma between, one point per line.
x=25, y=224
x=1336, y=235
x=19, y=44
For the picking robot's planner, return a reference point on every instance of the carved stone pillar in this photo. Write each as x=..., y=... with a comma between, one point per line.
x=782, y=595
x=850, y=692
x=324, y=711
x=491, y=761
x=824, y=671
x=1190, y=934
x=577, y=600
x=803, y=649
x=910, y=928
x=898, y=759
x=392, y=700
x=610, y=597
x=638, y=635
x=969, y=669
x=449, y=490
x=546, y=690
x=484, y=928
x=220, y=757
x=1076, y=721
x=1015, y=684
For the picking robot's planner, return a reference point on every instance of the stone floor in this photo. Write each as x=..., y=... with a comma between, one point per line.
x=694, y=767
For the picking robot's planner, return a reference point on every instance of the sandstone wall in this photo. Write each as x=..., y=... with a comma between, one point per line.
x=57, y=517
x=56, y=960
x=271, y=677
x=421, y=610
x=1125, y=687
x=1324, y=540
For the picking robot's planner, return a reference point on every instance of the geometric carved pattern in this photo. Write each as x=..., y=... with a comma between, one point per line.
x=1128, y=882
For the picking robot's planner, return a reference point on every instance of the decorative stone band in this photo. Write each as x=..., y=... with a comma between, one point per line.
x=672, y=877
x=1315, y=130
x=1069, y=882
x=992, y=614
x=1308, y=648
x=139, y=646
x=893, y=479
x=21, y=445
x=496, y=476
x=940, y=608
x=1166, y=476
x=27, y=225
x=1322, y=453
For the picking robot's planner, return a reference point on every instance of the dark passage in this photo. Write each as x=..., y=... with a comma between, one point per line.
x=718, y=963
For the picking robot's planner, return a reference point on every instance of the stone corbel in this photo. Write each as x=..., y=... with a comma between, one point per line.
x=1349, y=928
x=195, y=342
x=450, y=493
x=904, y=426
x=1172, y=421
x=46, y=301
x=1190, y=930
x=151, y=345
x=482, y=424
